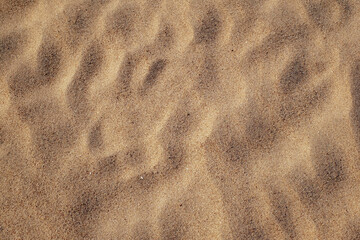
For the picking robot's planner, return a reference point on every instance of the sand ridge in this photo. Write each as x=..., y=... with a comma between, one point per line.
x=192, y=119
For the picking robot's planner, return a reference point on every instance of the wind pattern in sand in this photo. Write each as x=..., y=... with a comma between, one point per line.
x=179, y=119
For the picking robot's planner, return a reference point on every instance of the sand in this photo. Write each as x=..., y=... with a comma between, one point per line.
x=179, y=119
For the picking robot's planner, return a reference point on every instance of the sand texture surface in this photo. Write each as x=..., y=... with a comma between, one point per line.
x=179, y=119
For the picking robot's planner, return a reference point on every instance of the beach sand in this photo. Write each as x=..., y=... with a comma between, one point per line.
x=179, y=119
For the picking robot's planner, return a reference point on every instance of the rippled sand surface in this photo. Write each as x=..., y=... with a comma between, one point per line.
x=179, y=119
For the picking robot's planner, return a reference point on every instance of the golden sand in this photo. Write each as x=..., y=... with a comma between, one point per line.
x=179, y=119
